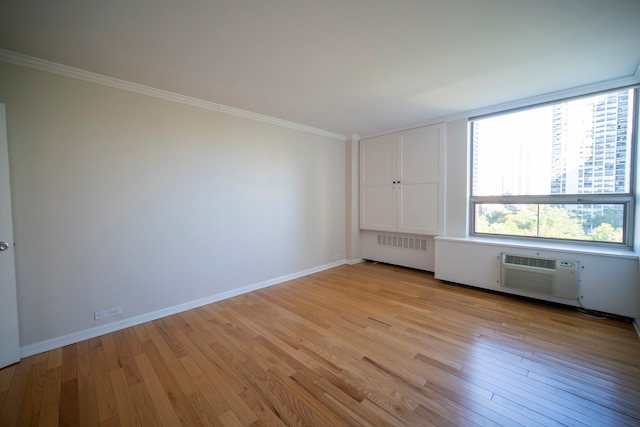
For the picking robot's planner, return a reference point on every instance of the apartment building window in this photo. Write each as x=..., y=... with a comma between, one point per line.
x=560, y=171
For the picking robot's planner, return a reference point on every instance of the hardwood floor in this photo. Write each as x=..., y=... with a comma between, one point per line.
x=356, y=345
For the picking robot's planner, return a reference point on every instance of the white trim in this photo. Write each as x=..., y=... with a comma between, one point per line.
x=87, y=76
x=354, y=261
x=53, y=343
x=548, y=246
x=629, y=80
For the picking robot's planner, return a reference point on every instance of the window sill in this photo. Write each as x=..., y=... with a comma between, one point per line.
x=550, y=246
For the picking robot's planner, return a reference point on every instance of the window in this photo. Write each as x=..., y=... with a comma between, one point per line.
x=559, y=171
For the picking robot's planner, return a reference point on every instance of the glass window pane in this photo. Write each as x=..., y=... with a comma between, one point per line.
x=581, y=146
x=593, y=222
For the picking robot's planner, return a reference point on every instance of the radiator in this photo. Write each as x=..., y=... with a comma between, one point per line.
x=414, y=251
x=555, y=277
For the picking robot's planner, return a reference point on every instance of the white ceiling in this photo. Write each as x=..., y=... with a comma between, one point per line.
x=345, y=66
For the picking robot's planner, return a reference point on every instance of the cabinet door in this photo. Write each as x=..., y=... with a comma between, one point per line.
x=420, y=172
x=377, y=188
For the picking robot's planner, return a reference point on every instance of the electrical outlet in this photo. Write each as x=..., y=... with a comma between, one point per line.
x=108, y=313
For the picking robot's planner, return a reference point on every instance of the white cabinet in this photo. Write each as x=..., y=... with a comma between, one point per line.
x=402, y=181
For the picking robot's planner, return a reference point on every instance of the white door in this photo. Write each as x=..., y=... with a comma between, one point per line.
x=9, y=338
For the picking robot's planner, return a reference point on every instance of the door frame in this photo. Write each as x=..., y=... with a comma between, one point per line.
x=9, y=330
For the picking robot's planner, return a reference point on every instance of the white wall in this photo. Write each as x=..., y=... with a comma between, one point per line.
x=121, y=199
x=457, y=181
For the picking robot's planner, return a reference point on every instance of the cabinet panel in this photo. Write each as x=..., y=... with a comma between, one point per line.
x=377, y=208
x=377, y=161
x=420, y=153
x=419, y=209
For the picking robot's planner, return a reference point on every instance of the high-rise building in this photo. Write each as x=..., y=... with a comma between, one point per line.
x=589, y=145
x=590, y=153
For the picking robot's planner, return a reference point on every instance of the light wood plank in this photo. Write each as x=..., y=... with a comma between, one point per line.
x=126, y=408
x=18, y=393
x=87, y=399
x=51, y=395
x=170, y=385
x=6, y=375
x=215, y=402
x=32, y=404
x=166, y=413
x=145, y=409
x=104, y=391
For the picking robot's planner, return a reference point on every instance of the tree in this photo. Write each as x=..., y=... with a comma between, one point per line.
x=532, y=220
x=607, y=233
x=560, y=223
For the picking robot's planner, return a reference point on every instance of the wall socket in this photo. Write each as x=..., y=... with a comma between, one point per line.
x=108, y=313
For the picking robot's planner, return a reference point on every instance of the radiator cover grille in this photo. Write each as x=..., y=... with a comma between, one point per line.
x=402, y=242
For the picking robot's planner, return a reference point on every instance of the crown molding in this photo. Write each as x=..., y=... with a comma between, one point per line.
x=87, y=76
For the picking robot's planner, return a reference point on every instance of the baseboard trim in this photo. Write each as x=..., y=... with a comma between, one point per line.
x=53, y=343
x=355, y=261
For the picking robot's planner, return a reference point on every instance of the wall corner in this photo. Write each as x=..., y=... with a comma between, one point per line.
x=352, y=147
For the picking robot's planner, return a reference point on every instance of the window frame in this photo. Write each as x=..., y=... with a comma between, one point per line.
x=627, y=200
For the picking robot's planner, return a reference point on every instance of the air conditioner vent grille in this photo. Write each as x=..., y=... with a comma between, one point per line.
x=558, y=278
x=530, y=261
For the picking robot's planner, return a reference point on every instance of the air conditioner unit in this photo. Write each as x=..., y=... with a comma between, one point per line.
x=554, y=277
